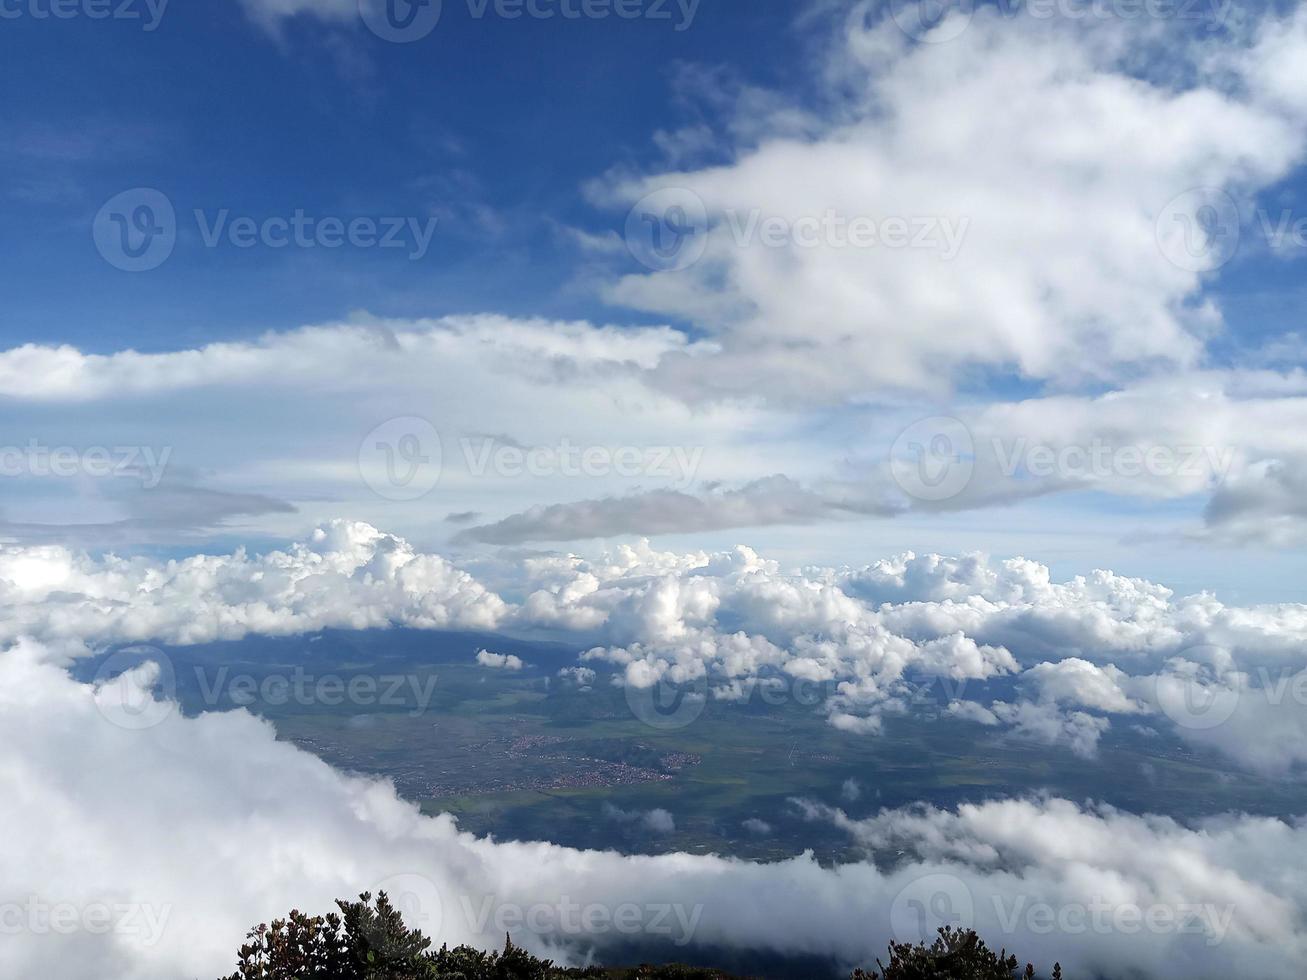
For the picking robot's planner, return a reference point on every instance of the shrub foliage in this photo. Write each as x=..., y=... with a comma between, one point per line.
x=369, y=941
x=956, y=954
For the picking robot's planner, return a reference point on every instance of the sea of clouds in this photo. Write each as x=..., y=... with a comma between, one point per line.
x=147, y=852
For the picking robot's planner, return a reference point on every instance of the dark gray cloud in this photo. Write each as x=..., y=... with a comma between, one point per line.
x=770, y=501
x=158, y=515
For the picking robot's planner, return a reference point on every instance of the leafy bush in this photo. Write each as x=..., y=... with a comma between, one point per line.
x=370, y=942
x=364, y=942
x=956, y=954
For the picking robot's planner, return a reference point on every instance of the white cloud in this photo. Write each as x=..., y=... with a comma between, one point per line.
x=210, y=824
x=269, y=14
x=344, y=355
x=320, y=396
x=1046, y=722
x=657, y=821
x=1059, y=277
x=347, y=575
x=499, y=661
x=772, y=500
x=564, y=388
x=1059, y=282
x=971, y=711
x=1053, y=853
x=582, y=676
x=1078, y=682
x=860, y=642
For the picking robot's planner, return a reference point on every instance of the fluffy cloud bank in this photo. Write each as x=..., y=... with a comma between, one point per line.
x=347, y=575
x=859, y=642
x=145, y=855
x=1071, y=291
x=1072, y=266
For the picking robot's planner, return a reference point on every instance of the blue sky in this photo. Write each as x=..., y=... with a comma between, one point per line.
x=850, y=343
x=495, y=126
x=509, y=154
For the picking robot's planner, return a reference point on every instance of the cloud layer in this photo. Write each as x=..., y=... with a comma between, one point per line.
x=860, y=642
x=1074, y=265
x=145, y=855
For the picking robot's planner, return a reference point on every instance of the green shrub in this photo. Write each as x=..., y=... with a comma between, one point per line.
x=370, y=942
x=956, y=954
x=367, y=941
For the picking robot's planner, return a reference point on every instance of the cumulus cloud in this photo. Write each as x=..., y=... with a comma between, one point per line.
x=582, y=677
x=1067, y=290
x=860, y=643
x=1264, y=504
x=1056, y=270
x=656, y=821
x=1058, y=275
x=1062, y=853
x=567, y=388
x=223, y=825
x=329, y=400
x=971, y=711
x=347, y=575
x=499, y=661
x=1081, y=683
x=1046, y=722
x=1233, y=445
